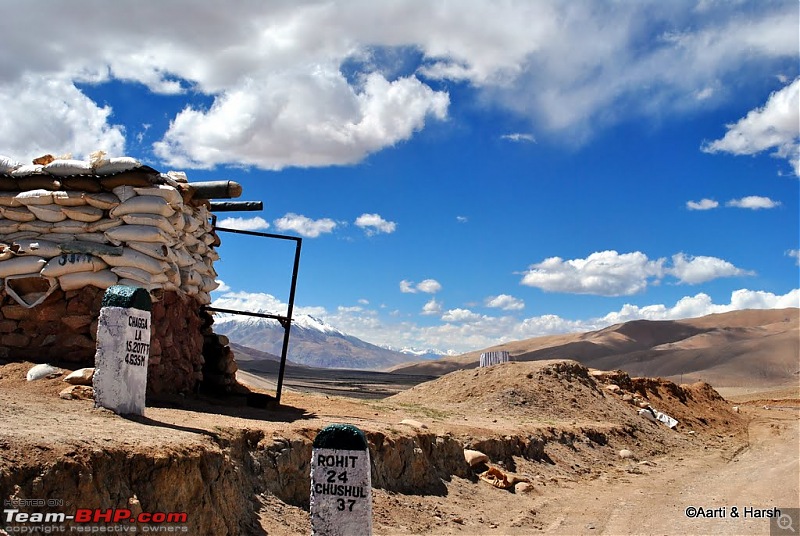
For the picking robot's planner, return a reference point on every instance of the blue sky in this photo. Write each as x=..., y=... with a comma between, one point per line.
x=463, y=173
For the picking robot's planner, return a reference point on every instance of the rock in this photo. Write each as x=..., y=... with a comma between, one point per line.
x=612, y=387
x=413, y=423
x=77, y=392
x=43, y=371
x=625, y=454
x=523, y=487
x=627, y=397
x=736, y=409
x=80, y=377
x=475, y=457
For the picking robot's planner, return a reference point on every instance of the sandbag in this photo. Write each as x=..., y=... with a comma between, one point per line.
x=84, y=214
x=136, y=177
x=50, y=213
x=177, y=221
x=37, y=226
x=69, y=263
x=17, y=213
x=103, y=200
x=133, y=258
x=103, y=224
x=109, y=166
x=7, y=164
x=100, y=279
x=182, y=257
x=9, y=200
x=21, y=235
x=191, y=278
x=26, y=170
x=158, y=251
x=61, y=237
x=137, y=274
x=8, y=226
x=209, y=284
x=97, y=238
x=170, y=194
x=138, y=233
x=137, y=284
x=150, y=219
x=124, y=192
x=82, y=183
x=69, y=226
x=68, y=198
x=64, y=168
x=143, y=204
x=21, y=265
x=40, y=248
x=36, y=182
x=35, y=197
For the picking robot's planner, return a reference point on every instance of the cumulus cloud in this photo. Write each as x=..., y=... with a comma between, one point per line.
x=775, y=125
x=703, y=204
x=462, y=219
x=51, y=116
x=429, y=286
x=605, y=273
x=432, y=307
x=519, y=137
x=794, y=253
x=374, y=224
x=297, y=84
x=305, y=226
x=608, y=273
x=753, y=202
x=460, y=315
x=244, y=224
x=505, y=302
x=700, y=269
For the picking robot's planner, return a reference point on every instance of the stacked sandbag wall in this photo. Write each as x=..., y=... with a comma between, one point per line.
x=70, y=229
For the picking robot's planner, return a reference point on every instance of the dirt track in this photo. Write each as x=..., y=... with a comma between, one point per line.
x=764, y=474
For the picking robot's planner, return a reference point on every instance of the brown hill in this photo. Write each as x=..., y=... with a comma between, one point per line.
x=740, y=348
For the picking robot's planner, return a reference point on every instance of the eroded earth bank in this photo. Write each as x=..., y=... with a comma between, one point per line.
x=554, y=427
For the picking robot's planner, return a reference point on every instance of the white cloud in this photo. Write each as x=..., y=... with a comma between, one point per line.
x=460, y=316
x=374, y=223
x=505, y=302
x=51, y=116
x=462, y=219
x=244, y=224
x=605, y=273
x=700, y=269
x=429, y=286
x=776, y=125
x=794, y=253
x=485, y=331
x=608, y=273
x=432, y=307
x=753, y=202
x=703, y=204
x=305, y=226
x=295, y=84
x=519, y=137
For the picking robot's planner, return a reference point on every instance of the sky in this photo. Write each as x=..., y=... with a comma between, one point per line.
x=462, y=173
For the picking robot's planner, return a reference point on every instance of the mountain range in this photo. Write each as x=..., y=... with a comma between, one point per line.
x=314, y=343
x=748, y=347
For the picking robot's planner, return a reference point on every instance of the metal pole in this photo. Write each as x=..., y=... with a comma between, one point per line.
x=288, y=324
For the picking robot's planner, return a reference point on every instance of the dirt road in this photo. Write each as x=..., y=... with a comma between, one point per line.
x=764, y=474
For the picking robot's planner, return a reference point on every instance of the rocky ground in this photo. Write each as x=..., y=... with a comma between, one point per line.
x=554, y=427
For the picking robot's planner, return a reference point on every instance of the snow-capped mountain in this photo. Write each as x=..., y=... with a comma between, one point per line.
x=312, y=342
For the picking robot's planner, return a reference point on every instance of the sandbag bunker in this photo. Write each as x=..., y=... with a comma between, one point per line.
x=69, y=229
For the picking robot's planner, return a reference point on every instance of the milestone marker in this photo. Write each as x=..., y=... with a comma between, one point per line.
x=341, y=485
x=123, y=350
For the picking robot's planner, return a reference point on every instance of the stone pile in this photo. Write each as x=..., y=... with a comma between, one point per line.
x=69, y=229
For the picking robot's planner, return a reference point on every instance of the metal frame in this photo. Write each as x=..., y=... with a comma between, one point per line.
x=285, y=321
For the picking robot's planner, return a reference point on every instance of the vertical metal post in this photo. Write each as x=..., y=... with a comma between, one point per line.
x=287, y=324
